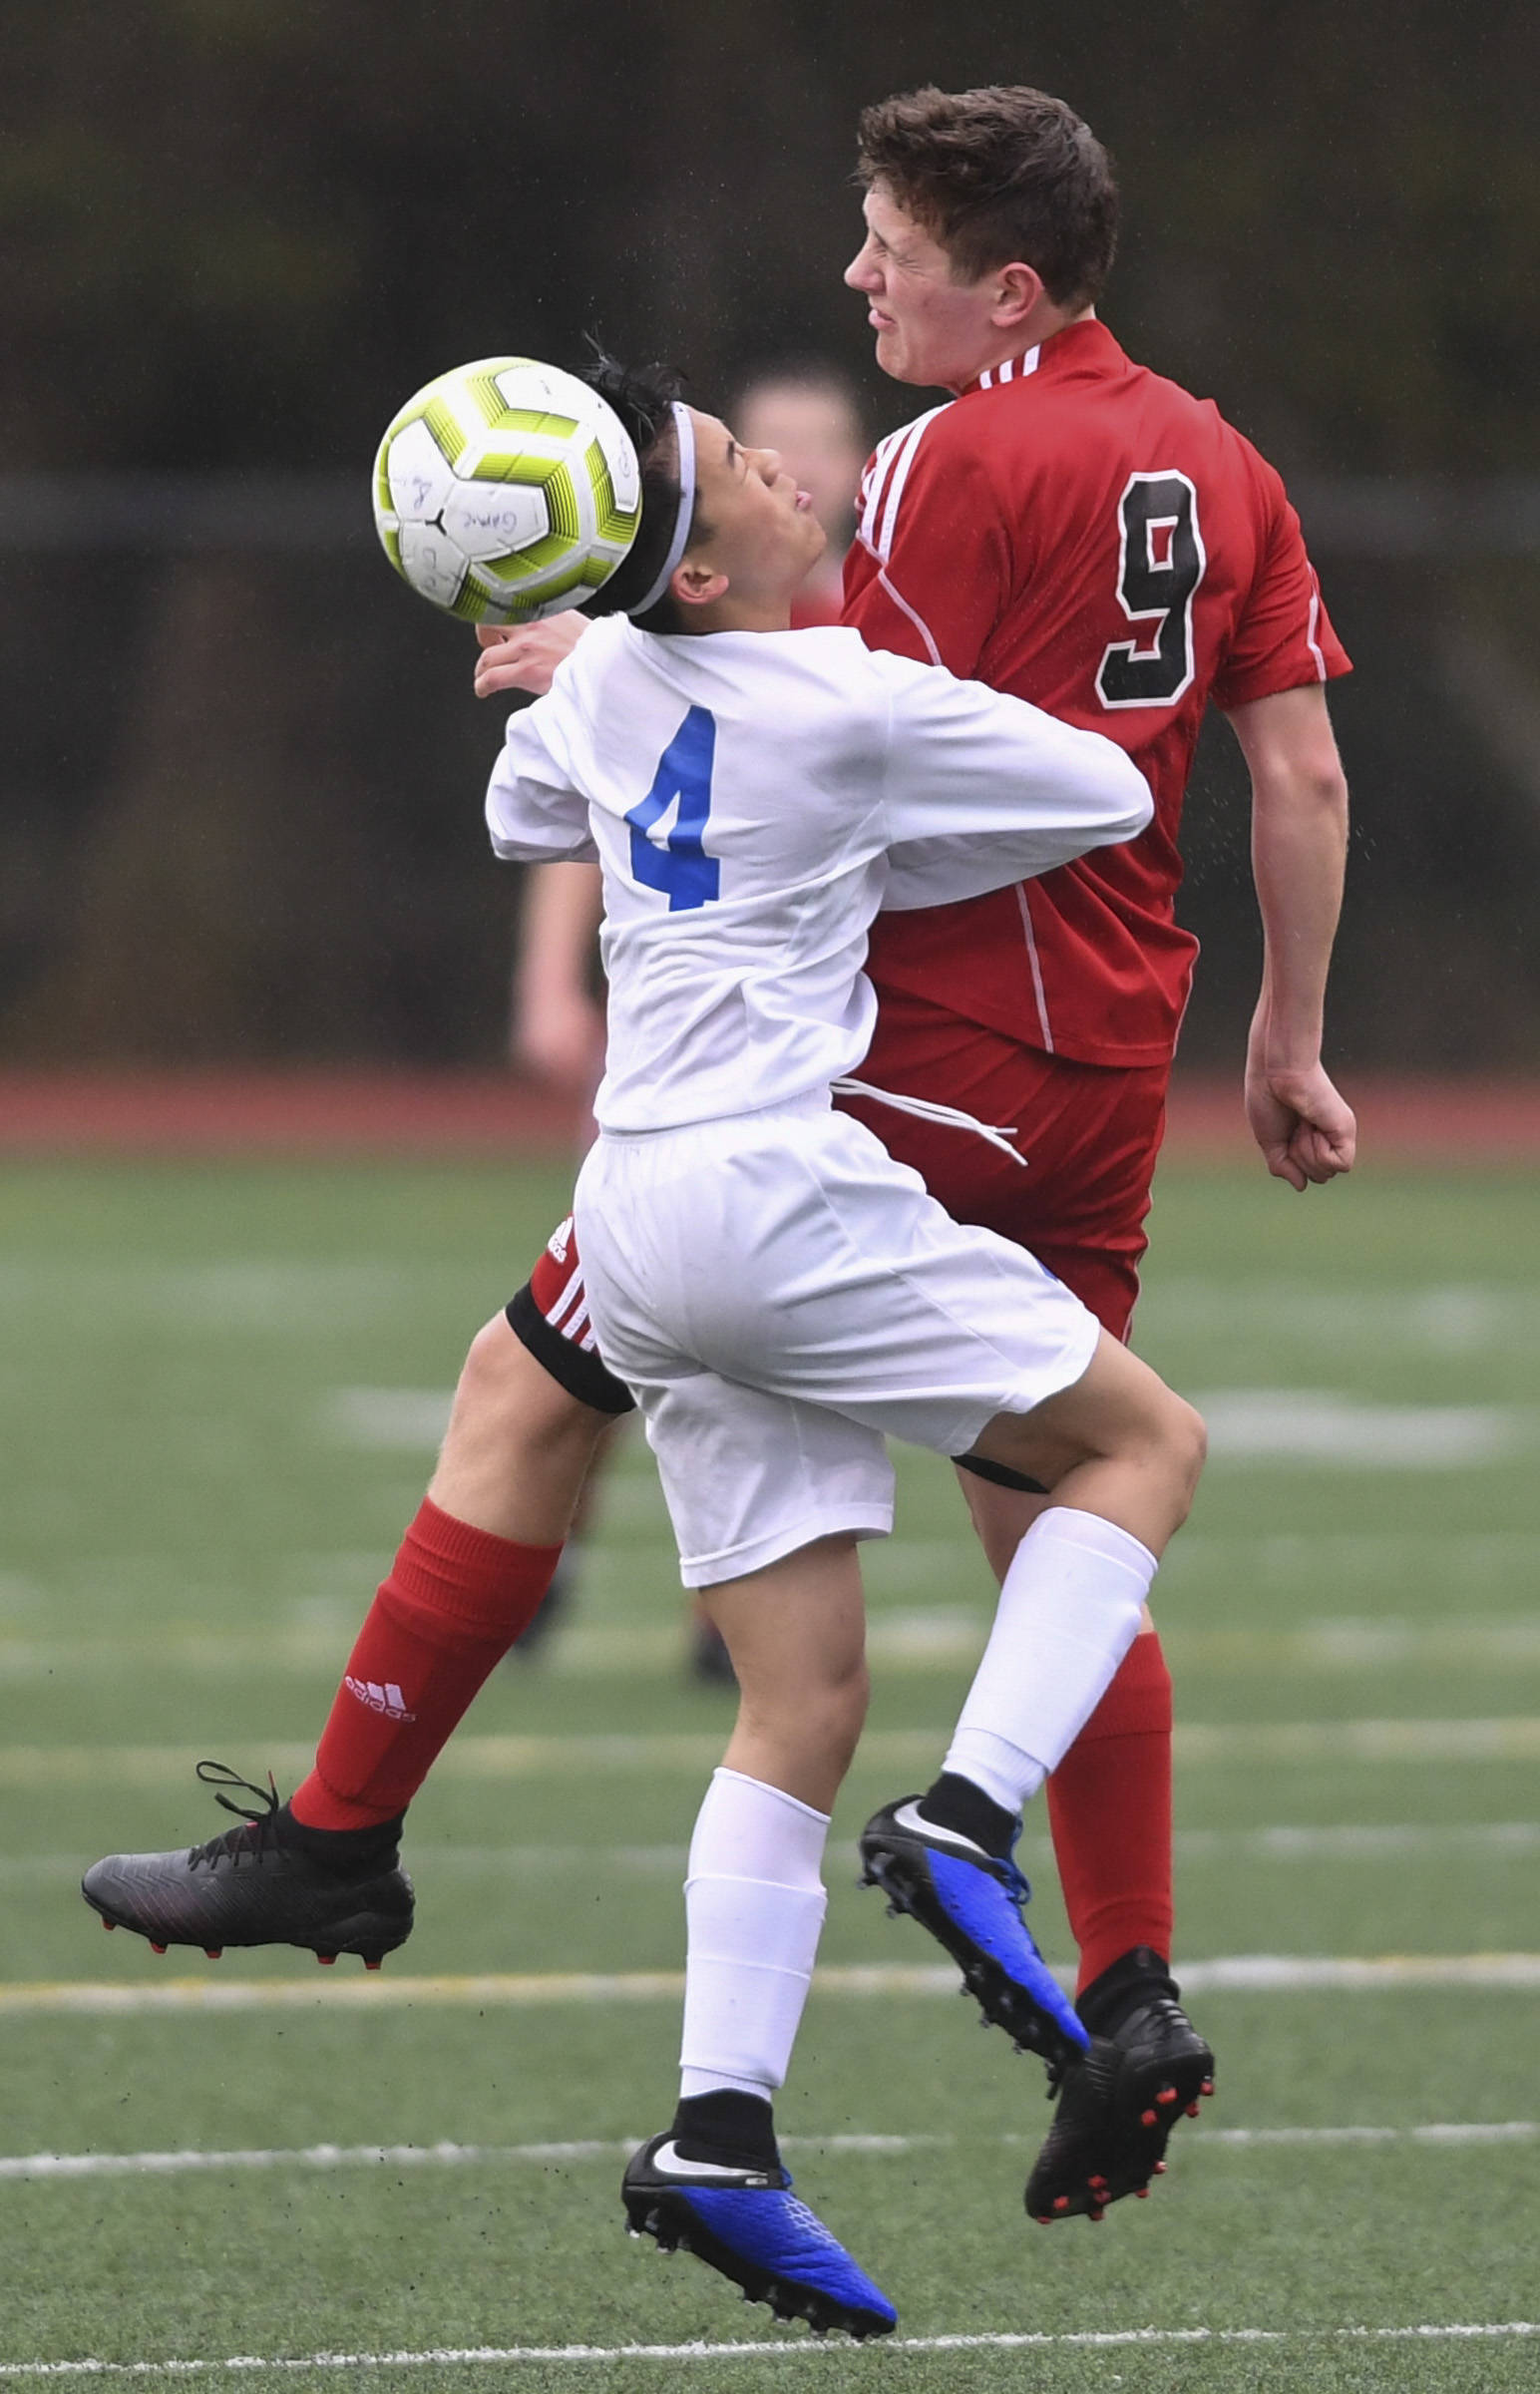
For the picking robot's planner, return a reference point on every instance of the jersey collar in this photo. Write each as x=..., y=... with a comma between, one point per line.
x=1087, y=344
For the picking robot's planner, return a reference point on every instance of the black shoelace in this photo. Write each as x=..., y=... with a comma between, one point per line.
x=257, y=1829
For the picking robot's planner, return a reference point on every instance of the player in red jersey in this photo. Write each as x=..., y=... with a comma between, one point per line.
x=1076, y=529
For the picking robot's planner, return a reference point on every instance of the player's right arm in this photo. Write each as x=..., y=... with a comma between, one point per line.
x=535, y=814
x=1298, y=851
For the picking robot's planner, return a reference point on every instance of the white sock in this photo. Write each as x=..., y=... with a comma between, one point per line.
x=755, y=1903
x=1068, y=1613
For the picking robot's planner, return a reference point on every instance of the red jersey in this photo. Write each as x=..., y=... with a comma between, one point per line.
x=1083, y=534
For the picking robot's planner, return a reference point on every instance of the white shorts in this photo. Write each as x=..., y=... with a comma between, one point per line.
x=781, y=1296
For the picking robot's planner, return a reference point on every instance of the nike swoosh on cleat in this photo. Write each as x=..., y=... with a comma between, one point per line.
x=672, y=2164
x=910, y=1816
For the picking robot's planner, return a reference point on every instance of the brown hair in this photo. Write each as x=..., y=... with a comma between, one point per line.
x=996, y=175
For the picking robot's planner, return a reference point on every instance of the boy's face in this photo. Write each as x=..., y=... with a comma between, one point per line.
x=929, y=328
x=760, y=529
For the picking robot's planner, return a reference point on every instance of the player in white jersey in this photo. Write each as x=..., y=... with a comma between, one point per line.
x=779, y=1293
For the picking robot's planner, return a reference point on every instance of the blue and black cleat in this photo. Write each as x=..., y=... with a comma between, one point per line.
x=971, y=1903
x=747, y=2223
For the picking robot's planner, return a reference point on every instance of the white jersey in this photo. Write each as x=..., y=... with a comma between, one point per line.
x=753, y=799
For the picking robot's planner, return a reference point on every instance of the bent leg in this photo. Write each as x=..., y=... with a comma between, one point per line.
x=468, y=1577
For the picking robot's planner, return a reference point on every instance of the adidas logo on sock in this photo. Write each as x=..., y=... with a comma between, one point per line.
x=387, y=1699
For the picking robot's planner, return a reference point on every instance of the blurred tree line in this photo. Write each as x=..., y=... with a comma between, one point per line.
x=240, y=810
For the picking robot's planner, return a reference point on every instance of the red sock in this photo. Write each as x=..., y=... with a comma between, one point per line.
x=454, y=1603
x=1109, y=1806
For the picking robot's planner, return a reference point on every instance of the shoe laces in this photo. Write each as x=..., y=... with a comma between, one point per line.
x=257, y=1829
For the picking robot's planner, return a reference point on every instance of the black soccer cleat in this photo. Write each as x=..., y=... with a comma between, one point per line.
x=1148, y=2069
x=748, y=2225
x=972, y=1902
x=253, y=1886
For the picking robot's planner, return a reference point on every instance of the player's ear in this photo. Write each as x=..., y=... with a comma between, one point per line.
x=696, y=584
x=1019, y=288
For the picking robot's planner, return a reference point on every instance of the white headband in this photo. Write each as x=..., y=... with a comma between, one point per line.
x=681, y=532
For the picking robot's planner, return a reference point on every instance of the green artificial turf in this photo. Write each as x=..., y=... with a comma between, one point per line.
x=216, y=1390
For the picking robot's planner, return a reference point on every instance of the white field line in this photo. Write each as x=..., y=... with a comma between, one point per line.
x=1241, y=1973
x=897, y=1639
x=1508, y=1738
x=1443, y=2135
x=800, y=2349
x=1253, y=1426
x=1371, y=1841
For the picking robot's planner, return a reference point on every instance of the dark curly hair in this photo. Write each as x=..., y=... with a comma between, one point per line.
x=642, y=398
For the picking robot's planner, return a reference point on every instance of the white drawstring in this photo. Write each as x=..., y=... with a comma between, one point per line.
x=926, y=1109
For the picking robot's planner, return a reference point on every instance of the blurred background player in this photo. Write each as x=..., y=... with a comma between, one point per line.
x=809, y=411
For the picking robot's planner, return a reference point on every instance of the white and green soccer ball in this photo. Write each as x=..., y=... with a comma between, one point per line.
x=506, y=490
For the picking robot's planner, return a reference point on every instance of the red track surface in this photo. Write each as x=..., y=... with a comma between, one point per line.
x=339, y=1113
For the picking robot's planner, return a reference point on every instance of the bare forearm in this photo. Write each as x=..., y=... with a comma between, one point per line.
x=563, y=906
x=1299, y=849
x=1299, y=852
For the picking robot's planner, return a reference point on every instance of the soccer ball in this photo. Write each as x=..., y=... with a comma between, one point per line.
x=506, y=490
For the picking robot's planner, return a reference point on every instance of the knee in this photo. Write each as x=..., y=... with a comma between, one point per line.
x=825, y=1714
x=1184, y=1441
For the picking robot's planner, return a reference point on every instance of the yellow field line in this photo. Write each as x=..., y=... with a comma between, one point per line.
x=1242, y=1973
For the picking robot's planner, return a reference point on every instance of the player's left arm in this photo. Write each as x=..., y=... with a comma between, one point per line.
x=982, y=790
x=1299, y=1121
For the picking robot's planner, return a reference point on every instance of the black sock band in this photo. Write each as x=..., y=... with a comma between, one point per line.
x=351, y=1852
x=1123, y=1987
x=728, y=2127
x=952, y=1802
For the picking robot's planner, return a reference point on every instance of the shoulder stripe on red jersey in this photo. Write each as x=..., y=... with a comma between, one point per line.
x=888, y=584
x=884, y=484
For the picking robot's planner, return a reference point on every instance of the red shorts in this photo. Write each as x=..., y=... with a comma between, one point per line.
x=1090, y=1133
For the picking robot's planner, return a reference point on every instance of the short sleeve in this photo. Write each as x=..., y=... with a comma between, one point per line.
x=1284, y=637
x=534, y=813
x=930, y=573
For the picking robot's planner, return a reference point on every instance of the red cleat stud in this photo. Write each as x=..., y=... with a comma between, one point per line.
x=155, y=1949
x=1143, y=2194
x=1096, y=2218
x=1147, y=2119
x=1046, y=2218
x=325, y=1960
x=1207, y=2086
x=109, y=1925
x=211, y=1953
x=377, y=1964
x=1192, y=2111
x=1061, y=2202
x=1096, y=2184
x=1166, y=2094
x=1160, y=2170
